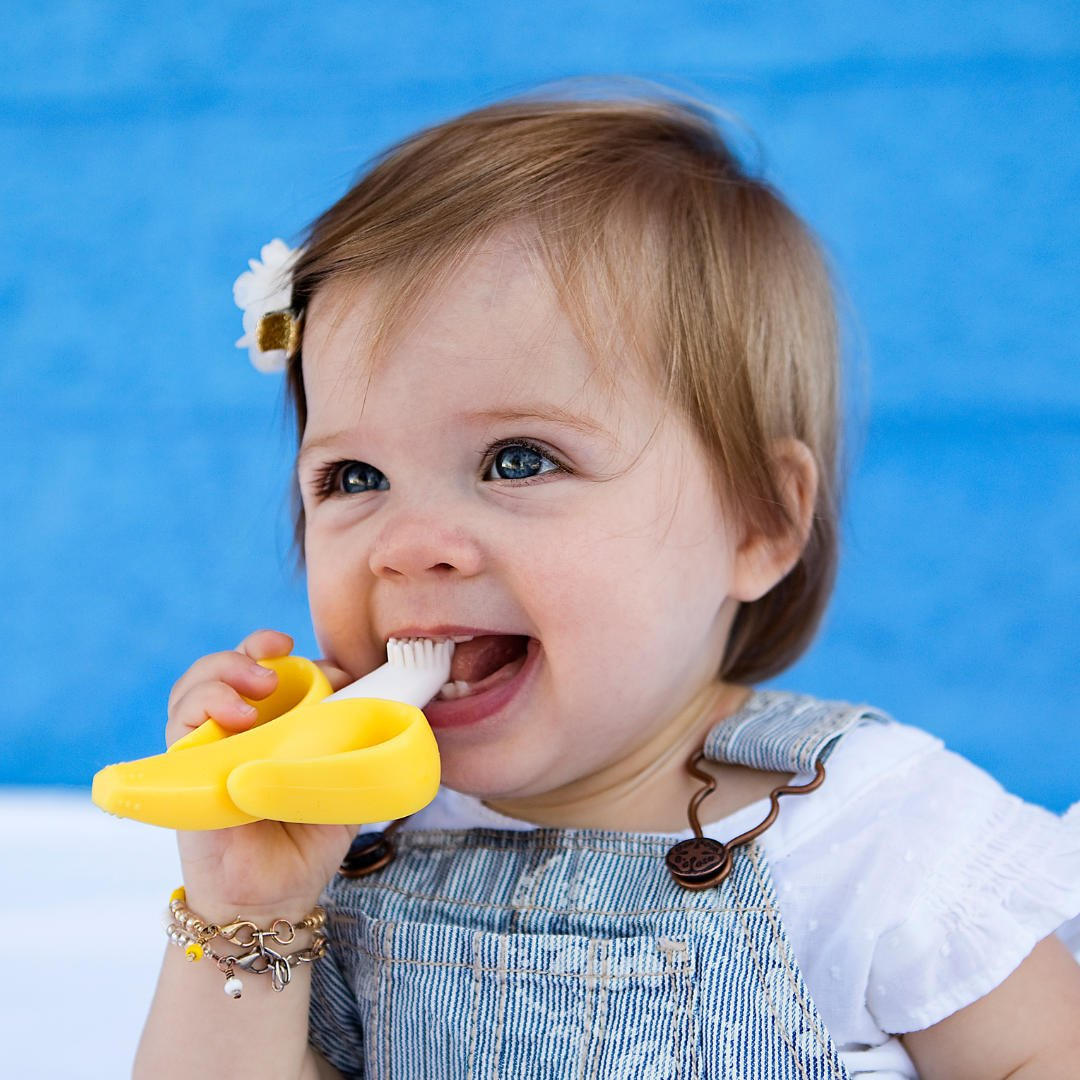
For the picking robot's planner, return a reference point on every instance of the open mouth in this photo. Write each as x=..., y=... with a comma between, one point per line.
x=483, y=662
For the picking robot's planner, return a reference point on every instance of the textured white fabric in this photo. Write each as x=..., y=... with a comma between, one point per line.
x=911, y=884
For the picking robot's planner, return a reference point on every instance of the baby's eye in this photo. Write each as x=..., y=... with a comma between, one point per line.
x=519, y=461
x=352, y=478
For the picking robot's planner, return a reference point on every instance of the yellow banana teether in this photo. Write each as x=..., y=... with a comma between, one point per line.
x=338, y=759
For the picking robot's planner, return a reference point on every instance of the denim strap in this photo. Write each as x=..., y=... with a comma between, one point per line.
x=782, y=732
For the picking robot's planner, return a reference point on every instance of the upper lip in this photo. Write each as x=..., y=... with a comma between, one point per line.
x=446, y=630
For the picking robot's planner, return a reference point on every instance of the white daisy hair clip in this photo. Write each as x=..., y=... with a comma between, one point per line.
x=264, y=294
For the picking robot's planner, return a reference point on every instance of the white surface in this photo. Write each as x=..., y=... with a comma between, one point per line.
x=82, y=902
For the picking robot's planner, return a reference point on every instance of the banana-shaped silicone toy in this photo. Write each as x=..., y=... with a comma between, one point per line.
x=361, y=755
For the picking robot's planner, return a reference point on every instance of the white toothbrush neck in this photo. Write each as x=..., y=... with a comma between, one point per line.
x=391, y=682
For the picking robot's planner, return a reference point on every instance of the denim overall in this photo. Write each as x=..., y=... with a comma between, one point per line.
x=572, y=953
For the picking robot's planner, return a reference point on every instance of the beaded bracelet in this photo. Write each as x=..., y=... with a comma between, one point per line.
x=193, y=934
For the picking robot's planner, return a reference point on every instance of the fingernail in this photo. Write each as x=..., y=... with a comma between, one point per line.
x=264, y=672
x=248, y=710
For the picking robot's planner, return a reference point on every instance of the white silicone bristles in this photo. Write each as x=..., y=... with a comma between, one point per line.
x=419, y=652
x=414, y=671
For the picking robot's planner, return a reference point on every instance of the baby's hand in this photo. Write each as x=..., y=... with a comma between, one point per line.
x=268, y=868
x=215, y=686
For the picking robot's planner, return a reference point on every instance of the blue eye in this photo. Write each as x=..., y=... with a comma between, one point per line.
x=354, y=478
x=518, y=461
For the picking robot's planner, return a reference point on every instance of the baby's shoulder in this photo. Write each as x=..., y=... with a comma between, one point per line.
x=888, y=783
x=913, y=866
x=883, y=774
x=925, y=832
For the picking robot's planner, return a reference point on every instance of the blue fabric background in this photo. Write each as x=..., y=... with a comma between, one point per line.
x=148, y=151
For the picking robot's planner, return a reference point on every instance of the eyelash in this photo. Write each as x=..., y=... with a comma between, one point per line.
x=493, y=452
x=327, y=478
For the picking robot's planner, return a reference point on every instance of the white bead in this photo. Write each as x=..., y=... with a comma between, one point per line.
x=233, y=987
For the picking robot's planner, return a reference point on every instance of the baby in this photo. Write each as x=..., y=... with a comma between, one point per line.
x=565, y=380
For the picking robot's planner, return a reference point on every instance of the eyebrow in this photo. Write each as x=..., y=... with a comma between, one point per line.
x=316, y=446
x=545, y=413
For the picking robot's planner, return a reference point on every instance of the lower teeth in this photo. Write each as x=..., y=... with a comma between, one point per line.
x=451, y=691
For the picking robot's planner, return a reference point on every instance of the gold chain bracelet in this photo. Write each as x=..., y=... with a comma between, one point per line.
x=259, y=956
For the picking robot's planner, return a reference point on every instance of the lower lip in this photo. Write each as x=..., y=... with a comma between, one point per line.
x=462, y=712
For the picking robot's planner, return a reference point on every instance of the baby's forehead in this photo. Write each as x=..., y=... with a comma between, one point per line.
x=503, y=270
x=497, y=306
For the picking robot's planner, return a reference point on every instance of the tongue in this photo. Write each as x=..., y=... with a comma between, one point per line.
x=477, y=659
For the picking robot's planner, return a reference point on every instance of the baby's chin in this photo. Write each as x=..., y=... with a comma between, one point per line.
x=479, y=780
x=481, y=776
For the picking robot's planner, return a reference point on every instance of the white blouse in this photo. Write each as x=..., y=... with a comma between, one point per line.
x=911, y=884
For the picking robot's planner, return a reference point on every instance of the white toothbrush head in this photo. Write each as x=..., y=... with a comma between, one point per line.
x=415, y=670
x=423, y=653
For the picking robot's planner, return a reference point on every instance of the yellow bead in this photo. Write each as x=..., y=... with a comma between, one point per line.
x=178, y=894
x=194, y=951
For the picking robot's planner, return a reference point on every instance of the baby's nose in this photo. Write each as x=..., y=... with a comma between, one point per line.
x=412, y=546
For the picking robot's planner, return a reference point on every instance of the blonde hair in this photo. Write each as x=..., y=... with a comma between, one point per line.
x=646, y=222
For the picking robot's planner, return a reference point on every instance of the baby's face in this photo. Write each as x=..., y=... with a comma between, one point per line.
x=485, y=481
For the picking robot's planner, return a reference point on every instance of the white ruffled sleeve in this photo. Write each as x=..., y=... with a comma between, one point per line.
x=1007, y=876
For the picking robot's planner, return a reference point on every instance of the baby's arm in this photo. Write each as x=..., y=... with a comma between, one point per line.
x=194, y=1030
x=262, y=871
x=1028, y=1028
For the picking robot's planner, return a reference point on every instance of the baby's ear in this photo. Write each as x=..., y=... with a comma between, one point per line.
x=763, y=559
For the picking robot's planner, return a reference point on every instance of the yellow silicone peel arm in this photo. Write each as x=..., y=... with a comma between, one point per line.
x=309, y=758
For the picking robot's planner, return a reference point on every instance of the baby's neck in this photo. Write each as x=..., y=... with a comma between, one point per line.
x=649, y=789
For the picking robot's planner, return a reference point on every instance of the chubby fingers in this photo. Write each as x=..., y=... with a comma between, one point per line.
x=214, y=687
x=264, y=644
